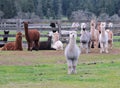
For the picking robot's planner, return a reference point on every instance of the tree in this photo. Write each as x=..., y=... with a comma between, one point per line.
x=39, y=9
x=4, y=5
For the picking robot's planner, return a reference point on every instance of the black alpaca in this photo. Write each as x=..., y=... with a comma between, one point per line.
x=46, y=45
x=5, y=38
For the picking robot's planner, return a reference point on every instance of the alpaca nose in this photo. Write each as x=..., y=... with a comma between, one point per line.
x=83, y=29
x=73, y=35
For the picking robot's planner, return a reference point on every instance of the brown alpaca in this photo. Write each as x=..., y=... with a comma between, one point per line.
x=32, y=37
x=17, y=45
x=110, y=38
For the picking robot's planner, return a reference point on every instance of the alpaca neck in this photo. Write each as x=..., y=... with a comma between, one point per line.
x=72, y=42
x=103, y=32
x=18, y=43
x=92, y=32
x=26, y=32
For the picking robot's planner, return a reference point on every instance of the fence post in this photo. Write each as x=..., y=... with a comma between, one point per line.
x=18, y=23
x=59, y=28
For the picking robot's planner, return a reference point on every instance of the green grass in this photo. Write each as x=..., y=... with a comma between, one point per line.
x=89, y=76
x=48, y=69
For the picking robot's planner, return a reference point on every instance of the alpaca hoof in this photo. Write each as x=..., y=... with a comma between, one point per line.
x=69, y=72
x=74, y=72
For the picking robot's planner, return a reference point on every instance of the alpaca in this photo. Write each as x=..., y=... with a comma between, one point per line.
x=32, y=37
x=5, y=38
x=75, y=25
x=46, y=45
x=57, y=44
x=72, y=53
x=110, y=25
x=98, y=27
x=83, y=25
x=94, y=35
x=85, y=39
x=17, y=45
x=103, y=38
x=110, y=35
x=110, y=38
x=55, y=37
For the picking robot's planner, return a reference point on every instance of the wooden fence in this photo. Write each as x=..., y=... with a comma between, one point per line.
x=43, y=25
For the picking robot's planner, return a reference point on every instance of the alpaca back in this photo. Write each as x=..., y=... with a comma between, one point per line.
x=104, y=35
x=31, y=35
x=85, y=37
x=17, y=45
x=46, y=45
x=9, y=46
x=34, y=35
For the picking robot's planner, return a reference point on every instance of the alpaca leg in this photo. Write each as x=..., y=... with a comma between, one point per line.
x=92, y=44
x=87, y=50
x=69, y=62
x=101, y=49
x=36, y=45
x=74, y=66
x=111, y=45
x=81, y=46
x=106, y=47
x=96, y=44
x=89, y=47
x=28, y=46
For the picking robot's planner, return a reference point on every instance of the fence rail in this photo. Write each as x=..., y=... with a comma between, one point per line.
x=43, y=25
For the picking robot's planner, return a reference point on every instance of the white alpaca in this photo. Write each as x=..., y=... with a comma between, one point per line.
x=83, y=25
x=57, y=44
x=72, y=53
x=110, y=25
x=84, y=38
x=75, y=25
x=103, y=38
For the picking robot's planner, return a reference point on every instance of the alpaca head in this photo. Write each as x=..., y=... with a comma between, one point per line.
x=92, y=23
x=25, y=25
x=110, y=25
x=103, y=24
x=83, y=25
x=73, y=34
x=19, y=36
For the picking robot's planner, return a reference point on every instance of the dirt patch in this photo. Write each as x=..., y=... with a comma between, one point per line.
x=48, y=56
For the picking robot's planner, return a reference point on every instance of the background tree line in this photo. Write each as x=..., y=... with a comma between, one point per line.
x=57, y=9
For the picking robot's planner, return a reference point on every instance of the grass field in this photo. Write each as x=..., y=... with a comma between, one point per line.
x=48, y=69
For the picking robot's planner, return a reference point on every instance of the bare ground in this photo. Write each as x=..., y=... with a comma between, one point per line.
x=51, y=57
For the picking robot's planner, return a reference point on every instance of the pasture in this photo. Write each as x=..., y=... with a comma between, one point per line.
x=48, y=69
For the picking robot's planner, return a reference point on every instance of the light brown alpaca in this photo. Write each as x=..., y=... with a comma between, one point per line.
x=94, y=35
x=17, y=45
x=32, y=37
x=110, y=38
x=98, y=27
